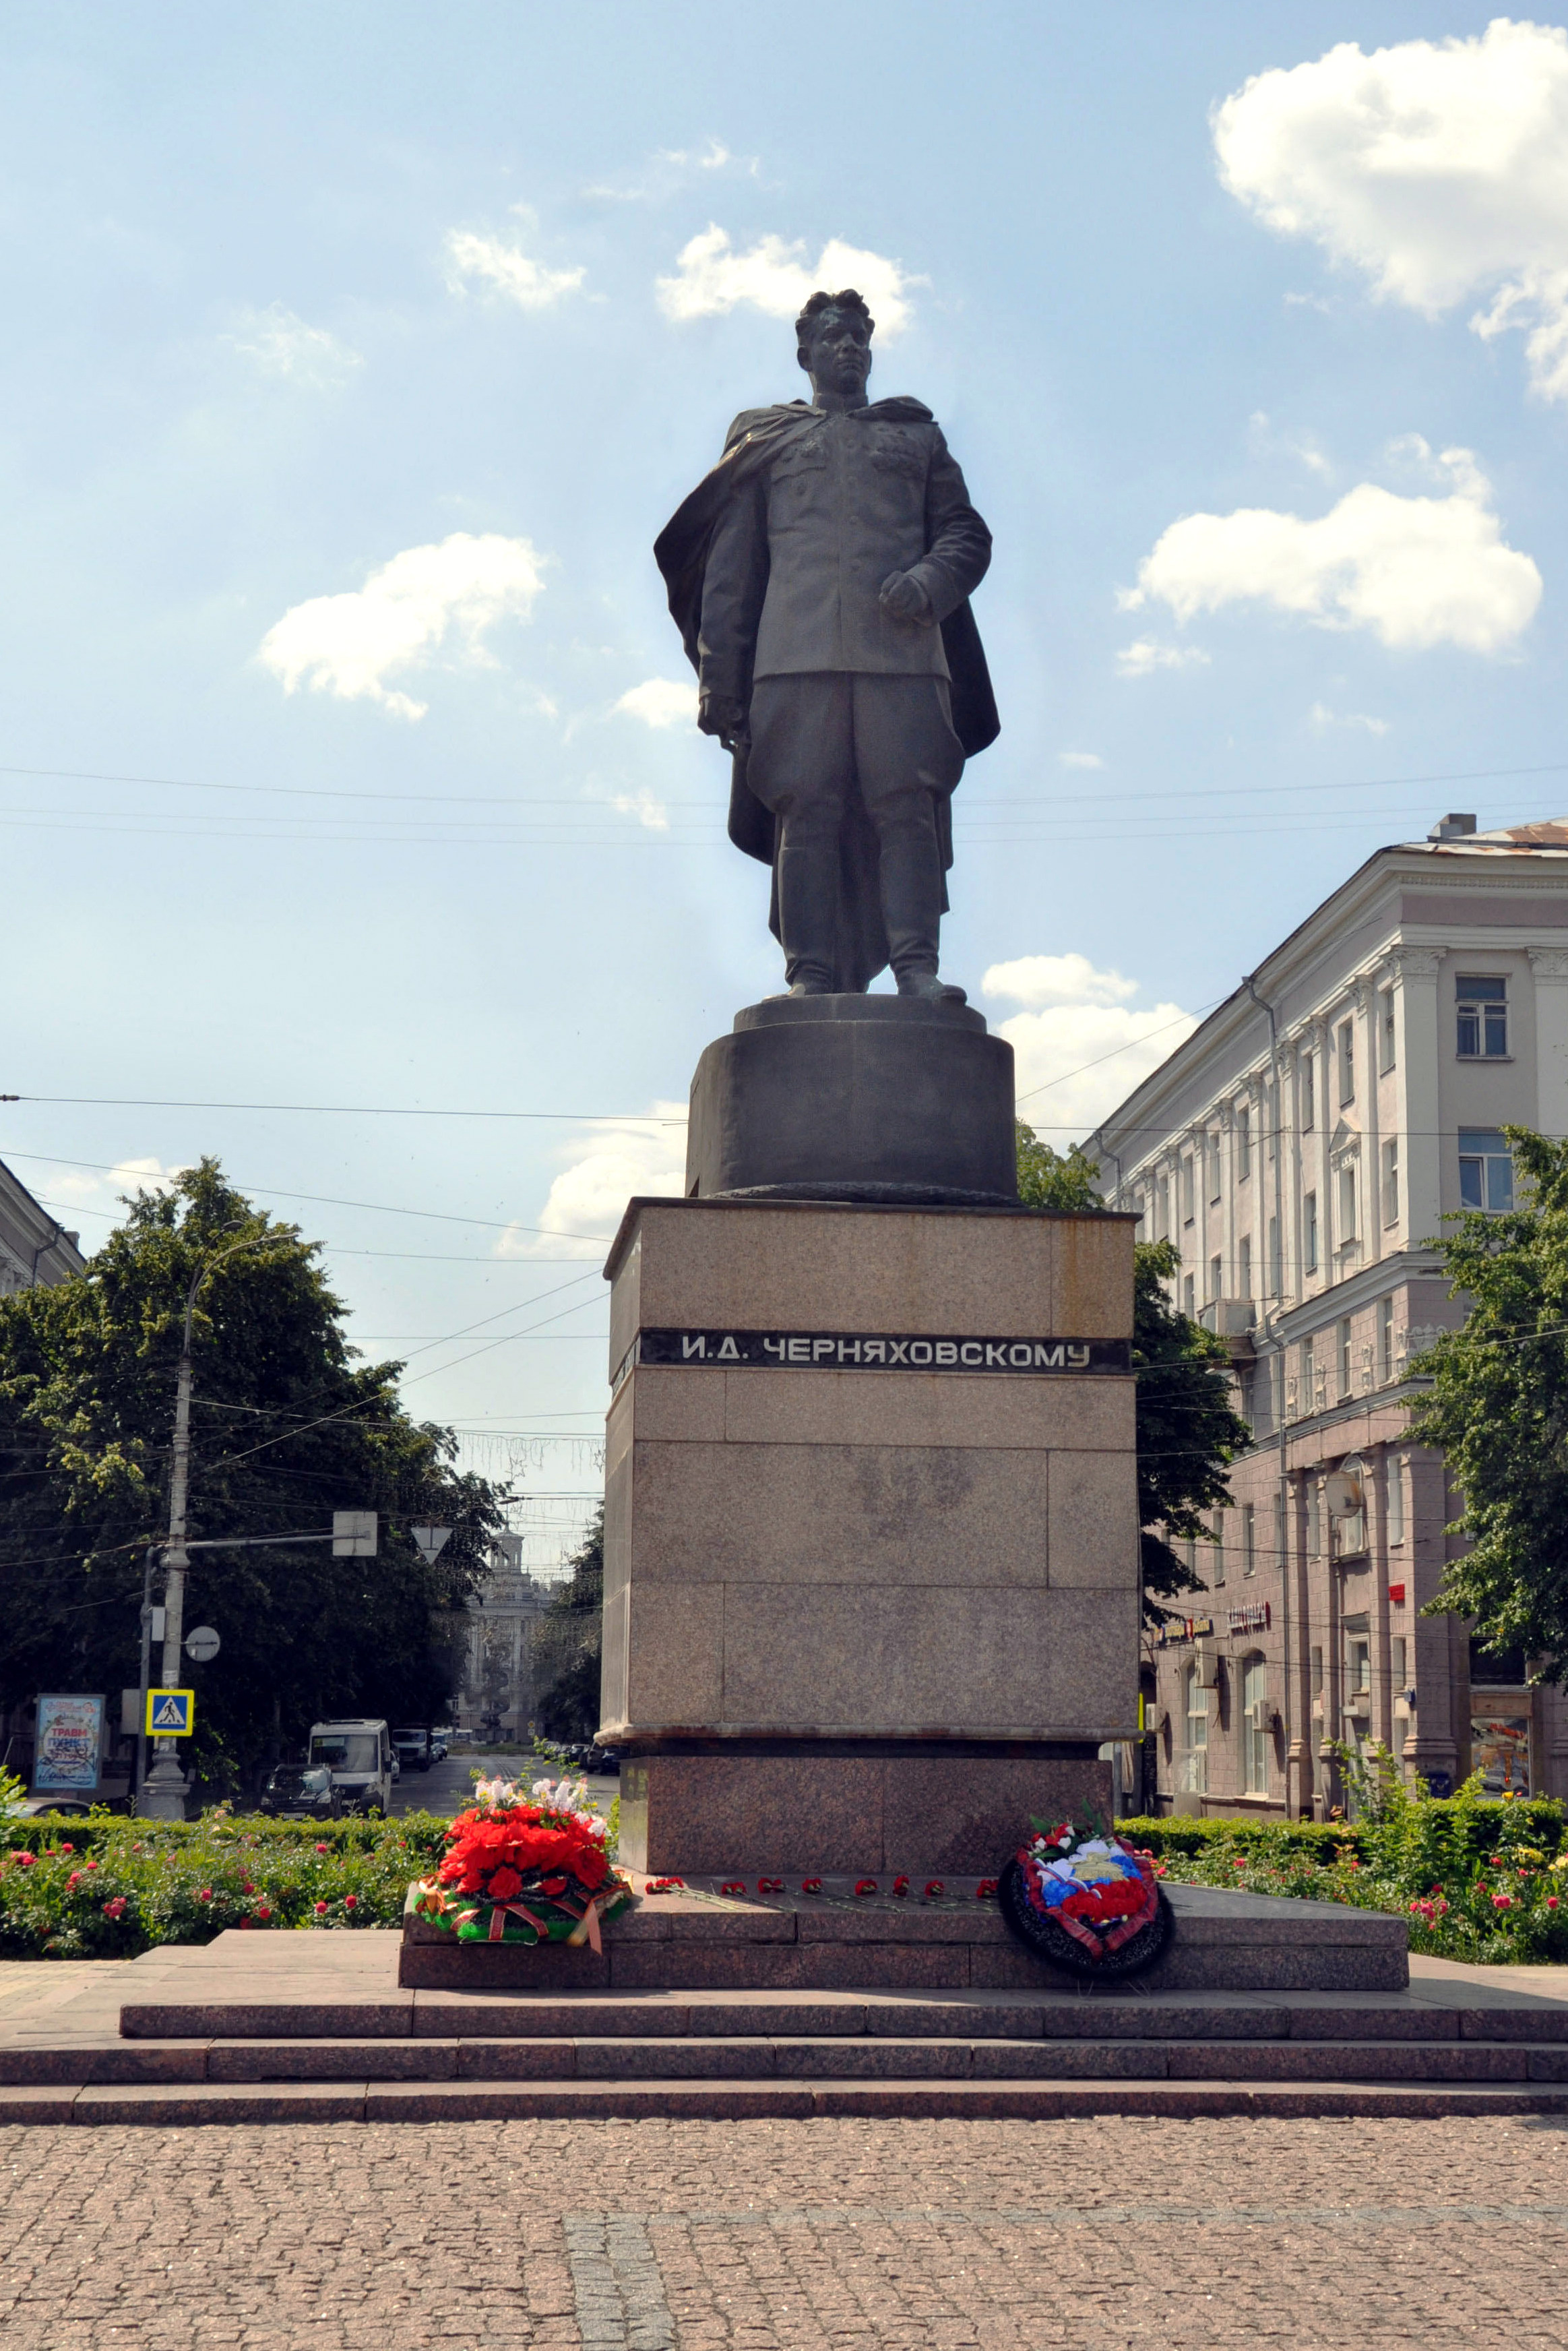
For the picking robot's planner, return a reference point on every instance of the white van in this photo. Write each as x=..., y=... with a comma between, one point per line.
x=358, y=1751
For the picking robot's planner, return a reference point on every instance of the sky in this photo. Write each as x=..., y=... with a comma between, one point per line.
x=353, y=821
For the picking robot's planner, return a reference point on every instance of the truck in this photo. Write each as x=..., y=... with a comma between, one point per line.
x=358, y=1751
x=414, y=1748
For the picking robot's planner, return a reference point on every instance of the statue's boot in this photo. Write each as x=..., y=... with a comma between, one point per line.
x=808, y=912
x=912, y=869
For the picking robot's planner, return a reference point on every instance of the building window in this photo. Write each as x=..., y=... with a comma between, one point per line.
x=1394, y=1480
x=1348, y=1061
x=1309, y=1219
x=1216, y=1276
x=1347, y=1202
x=1216, y=1535
x=1309, y=1094
x=1244, y=1266
x=1256, y=1739
x=1188, y=1302
x=1482, y=1020
x=1314, y=1523
x=1343, y=1352
x=1358, y=1663
x=1162, y=1209
x=1272, y=1119
x=1275, y=1267
x=1187, y=1191
x=1249, y=1540
x=1391, y=1183
x=1211, y=1165
x=1385, y=1341
x=1486, y=1170
x=1318, y=1673
x=1196, y=1760
x=1385, y=1027
x=1243, y=1145
x=1280, y=1531
x=1396, y=1665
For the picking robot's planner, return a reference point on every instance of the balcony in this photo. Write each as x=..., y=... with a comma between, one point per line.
x=1231, y=1320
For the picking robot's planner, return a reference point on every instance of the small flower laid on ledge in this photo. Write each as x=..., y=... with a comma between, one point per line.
x=664, y=1885
x=933, y=1887
x=865, y=1886
x=900, y=1885
x=769, y=1886
x=986, y=1887
x=811, y=1885
x=733, y=1886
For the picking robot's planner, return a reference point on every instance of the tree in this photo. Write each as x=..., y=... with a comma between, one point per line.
x=285, y=1428
x=1498, y=1409
x=1188, y=1429
x=568, y=1641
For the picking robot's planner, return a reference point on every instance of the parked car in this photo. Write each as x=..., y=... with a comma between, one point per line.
x=30, y=1807
x=358, y=1751
x=440, y=1740
x=414, y=1748
x=301, y=1788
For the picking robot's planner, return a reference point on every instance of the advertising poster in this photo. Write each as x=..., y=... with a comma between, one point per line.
x=69, y=1746
x=1499, y=1751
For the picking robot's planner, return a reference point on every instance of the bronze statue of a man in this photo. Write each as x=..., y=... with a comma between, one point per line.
x=820, y=577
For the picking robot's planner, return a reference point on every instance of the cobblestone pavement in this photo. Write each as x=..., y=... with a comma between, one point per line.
x=689, y=2236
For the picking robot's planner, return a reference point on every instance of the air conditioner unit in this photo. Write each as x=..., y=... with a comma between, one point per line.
x=1358, y=1702
x=1232, y=1319
x=1155, y=1718
x=1260, y=1714
x=1205, y=1664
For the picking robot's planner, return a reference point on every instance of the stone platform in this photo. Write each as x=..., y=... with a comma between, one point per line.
x=314, y=2028
x=701, y=1941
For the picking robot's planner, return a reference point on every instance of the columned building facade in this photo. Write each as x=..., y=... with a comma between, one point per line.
x=1300, y=1150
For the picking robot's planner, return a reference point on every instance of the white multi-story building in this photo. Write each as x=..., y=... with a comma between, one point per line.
x=1300, y=1150
x=34, y=1249
x=498, y=1692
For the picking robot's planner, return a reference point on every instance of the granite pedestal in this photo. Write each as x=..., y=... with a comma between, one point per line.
x=855, y=1098
x=871, y=1545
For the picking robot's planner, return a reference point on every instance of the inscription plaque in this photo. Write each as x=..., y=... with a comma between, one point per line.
x=877, y=1350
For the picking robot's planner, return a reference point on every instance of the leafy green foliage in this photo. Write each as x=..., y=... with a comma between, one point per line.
x=1474, y=1878
x=1188, y=1430
x=285, y=1428
x=569, y=1643
x=1497, y=1407
x=135, y=1883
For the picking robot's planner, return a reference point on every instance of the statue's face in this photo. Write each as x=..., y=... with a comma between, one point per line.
x=838, y=356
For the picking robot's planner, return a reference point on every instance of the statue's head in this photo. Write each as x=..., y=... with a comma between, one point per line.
x=833, y=341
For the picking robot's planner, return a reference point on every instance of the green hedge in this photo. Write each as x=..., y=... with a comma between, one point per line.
x=1536, y=1820
x=92, y=1832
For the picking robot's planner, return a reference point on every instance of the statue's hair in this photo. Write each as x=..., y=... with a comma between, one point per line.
x=847, y=300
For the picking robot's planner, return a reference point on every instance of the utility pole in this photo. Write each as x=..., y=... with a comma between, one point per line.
x=162, y=1796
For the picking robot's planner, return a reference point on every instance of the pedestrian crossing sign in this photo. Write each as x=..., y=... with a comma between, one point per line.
x=169, y=1713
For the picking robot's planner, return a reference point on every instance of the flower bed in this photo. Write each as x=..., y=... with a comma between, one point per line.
x=105, y=1888
x=1474, y=1878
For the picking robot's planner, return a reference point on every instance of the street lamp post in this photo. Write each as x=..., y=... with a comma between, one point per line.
x=162, y=1796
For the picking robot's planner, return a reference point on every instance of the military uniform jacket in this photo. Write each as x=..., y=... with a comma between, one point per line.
x=798, y=556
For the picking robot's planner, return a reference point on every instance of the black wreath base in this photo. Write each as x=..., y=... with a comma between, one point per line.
x=1046, y=1941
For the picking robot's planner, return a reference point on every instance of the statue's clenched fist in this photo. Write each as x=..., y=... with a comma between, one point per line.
x=721, y=714
x=904, y=598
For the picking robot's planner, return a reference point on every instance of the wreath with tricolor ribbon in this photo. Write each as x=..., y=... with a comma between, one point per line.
x=527, y=1870
x=1084, y=1900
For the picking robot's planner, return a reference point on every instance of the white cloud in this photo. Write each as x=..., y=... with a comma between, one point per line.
x=507, y=270
x=1320, y=717
x=606, y=1166
x=649, y=811
x=1083, y=1047
x=710, y=277
x=1041, y=980
x=1435, y=167
x=1080, y=759
x=661, y=702
x=714, y=157
x=1417, y=571
x=83, y=1187
x=1144, y=657
x=282, y=344
x=350, y=645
